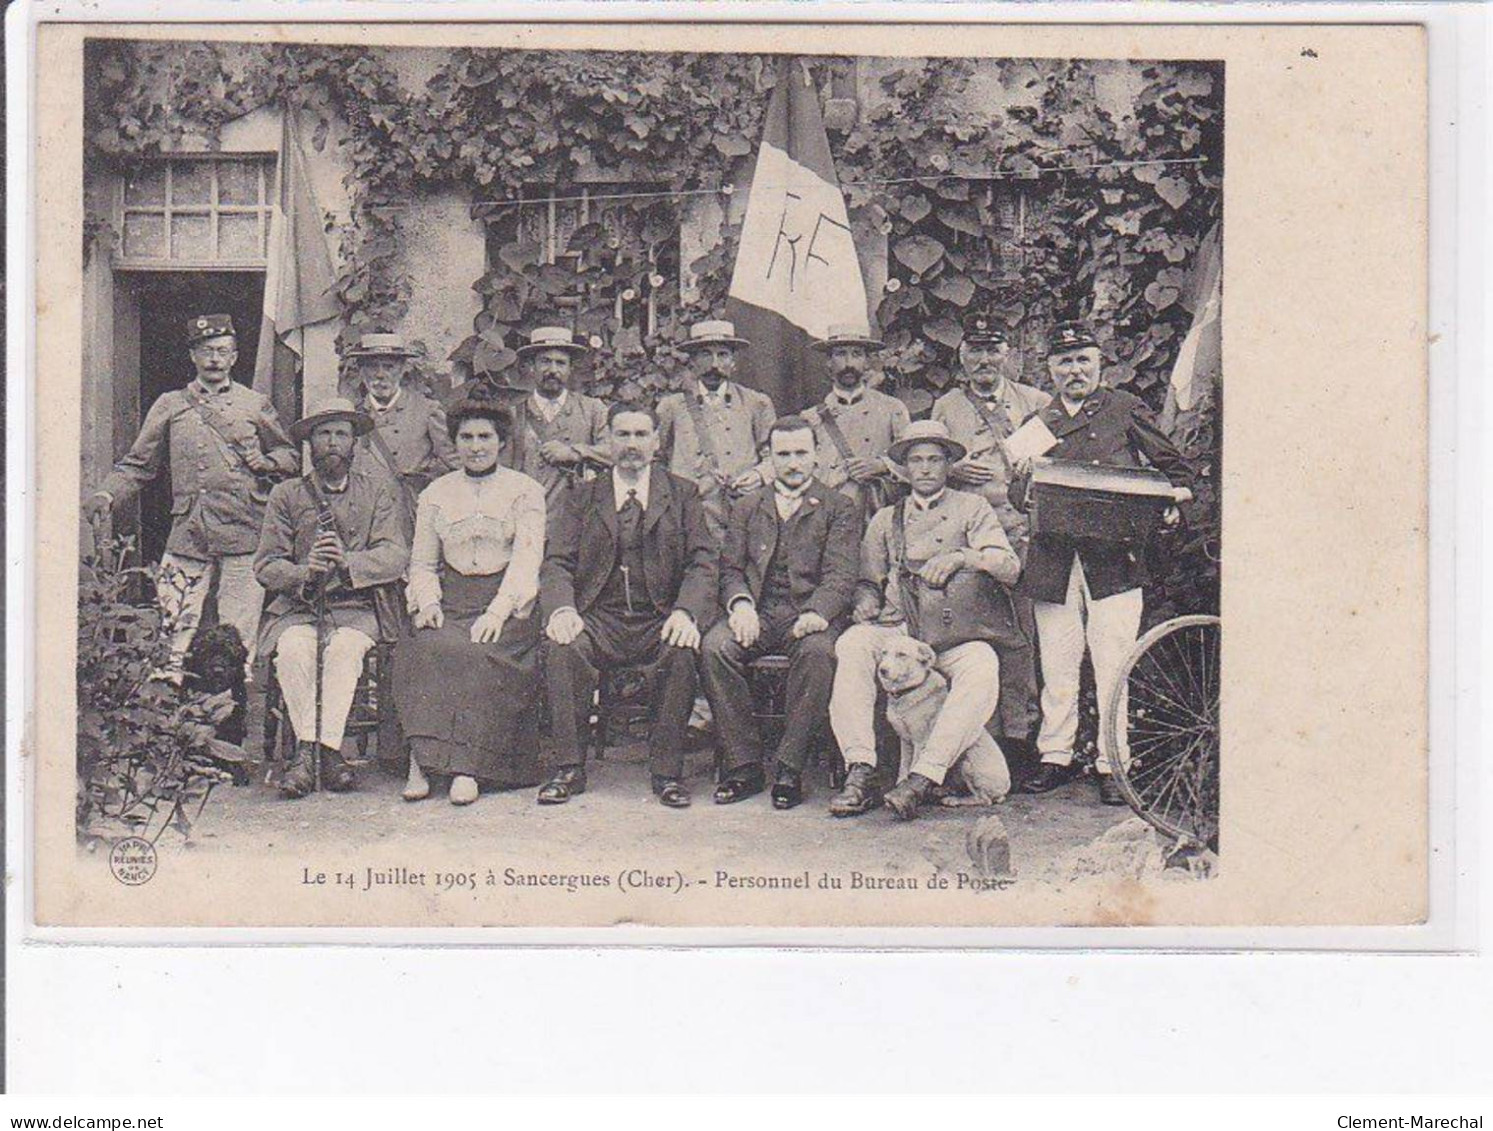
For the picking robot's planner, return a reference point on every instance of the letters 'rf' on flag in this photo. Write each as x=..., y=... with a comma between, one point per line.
x=796, y=272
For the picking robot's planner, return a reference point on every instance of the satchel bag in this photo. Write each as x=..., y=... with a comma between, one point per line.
x=971, y=605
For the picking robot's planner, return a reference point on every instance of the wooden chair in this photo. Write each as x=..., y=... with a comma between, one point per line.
x=372, y=712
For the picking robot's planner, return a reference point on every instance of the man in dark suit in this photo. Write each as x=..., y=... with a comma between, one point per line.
x=788, y=571
x=629, y=577
x=1087, y=592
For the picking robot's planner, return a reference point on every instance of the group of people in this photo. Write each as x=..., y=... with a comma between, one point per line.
x=520, y=546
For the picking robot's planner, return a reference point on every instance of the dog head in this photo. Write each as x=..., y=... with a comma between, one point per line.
x=904, y=664
x=215, y=661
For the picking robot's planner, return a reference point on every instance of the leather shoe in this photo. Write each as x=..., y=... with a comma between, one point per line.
x=859, y=794
x=1109, y=790
x=788, y=789
x=904, y=798
x=567, y=782
x=1048, y=777
x=299, y=778
x=671, y=792
x=739, y=784
x=336, y=774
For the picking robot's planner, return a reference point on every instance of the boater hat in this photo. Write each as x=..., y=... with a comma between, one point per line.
x=551, y=338
x=926, y=432
x=206, y=326
x=337, y=408
x=712, y=333
x=846, y=334
x=382, y=345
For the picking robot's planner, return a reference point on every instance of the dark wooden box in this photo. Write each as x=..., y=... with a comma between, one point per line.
x=1105, y=504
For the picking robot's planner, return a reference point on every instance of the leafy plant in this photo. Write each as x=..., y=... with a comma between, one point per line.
x=148, y=753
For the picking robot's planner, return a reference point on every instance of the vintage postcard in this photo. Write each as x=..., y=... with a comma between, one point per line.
x=729, y=475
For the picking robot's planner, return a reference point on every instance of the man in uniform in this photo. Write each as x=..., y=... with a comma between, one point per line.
x=986, y=407
x=330, y=538
x=409, y=435
x=226, y=447
x=714, y=433
x=629, y=577
x=856, y=424
x=1088, y=592
x=565, y=430
x=788, y=571
x=945, y=531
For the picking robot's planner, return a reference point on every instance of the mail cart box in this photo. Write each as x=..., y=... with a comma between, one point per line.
x=1105, y=504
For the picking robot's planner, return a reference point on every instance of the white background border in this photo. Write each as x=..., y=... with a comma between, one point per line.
x=234, y=1018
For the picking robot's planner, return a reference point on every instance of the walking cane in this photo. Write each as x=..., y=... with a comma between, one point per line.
x=321, y=651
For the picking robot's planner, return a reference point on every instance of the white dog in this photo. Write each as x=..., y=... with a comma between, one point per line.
x=916, y=691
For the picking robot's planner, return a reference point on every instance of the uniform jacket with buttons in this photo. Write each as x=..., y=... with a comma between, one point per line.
x=957, y=411
x=957, y=520
x=213, y=508
x=739, y=426
x=1112, y=428
x=680, y=560
x=581, y=423
x=820, y=547
x=414, y=430
x=869, y=427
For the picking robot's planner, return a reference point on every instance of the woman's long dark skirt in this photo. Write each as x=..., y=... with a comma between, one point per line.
x=471, y=708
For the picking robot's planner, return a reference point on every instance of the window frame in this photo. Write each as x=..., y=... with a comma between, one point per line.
x=213, y=209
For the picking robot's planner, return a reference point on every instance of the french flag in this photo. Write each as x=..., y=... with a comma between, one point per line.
x=797, y=272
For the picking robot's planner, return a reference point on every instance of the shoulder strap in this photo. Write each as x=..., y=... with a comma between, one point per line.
x=832, y=427
x=906, y=579
x=209, y=416
x=380, y=445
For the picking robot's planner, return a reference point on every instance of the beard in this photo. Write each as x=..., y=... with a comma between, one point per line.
x=331, y=465
x=849, y=378
x=712, y=379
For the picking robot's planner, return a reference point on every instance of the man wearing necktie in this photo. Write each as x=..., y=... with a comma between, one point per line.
x=567, y=430
x=985, y=408
x=788, y=572
x=629, y=577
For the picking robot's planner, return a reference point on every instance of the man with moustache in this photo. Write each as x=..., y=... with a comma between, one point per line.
x=408, y=440
x=226, y=447
x=629, y=577
x=788, y=570
x=714, y=433
x=567, y=430
x=330, y=538
x=986, y=407
x=856, y=424
x=1085, y=592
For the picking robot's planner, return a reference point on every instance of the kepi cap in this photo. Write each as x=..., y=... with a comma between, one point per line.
x=1070, y=336
x=206, y=326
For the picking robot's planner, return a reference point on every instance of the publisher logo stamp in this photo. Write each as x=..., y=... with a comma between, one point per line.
x=133, y=861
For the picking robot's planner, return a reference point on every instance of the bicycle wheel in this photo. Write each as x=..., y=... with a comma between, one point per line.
x=1170, y=723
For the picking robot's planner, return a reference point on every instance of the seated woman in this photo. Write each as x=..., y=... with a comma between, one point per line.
x=467, y=680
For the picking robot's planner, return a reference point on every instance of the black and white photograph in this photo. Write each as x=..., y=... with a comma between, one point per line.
x=562, y=486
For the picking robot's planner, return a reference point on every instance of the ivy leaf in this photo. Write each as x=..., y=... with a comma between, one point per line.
x=638, y=125
x=1174, y=191
x=519, y=256
x=960, y=219
x=945, y=331
x=915, y=207
x=918, y=253
x=731, y=145
x=1160, y=297
x=956, y=289
x=488, y=358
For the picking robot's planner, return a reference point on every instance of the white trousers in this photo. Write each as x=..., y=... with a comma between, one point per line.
x=295, y=668
x=1109, y=627
x=973, y=672
x=182, y=585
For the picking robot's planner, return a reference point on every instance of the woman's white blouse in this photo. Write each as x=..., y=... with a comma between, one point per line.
x=479, y=526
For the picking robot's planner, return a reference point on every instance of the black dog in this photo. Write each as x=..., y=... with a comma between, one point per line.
x=214, y=663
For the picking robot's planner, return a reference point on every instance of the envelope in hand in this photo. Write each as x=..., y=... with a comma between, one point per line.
x=1033, y=438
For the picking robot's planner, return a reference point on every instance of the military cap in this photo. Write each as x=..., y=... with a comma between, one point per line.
x=984, y=329
x=1070, y=336
x=208, y=326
